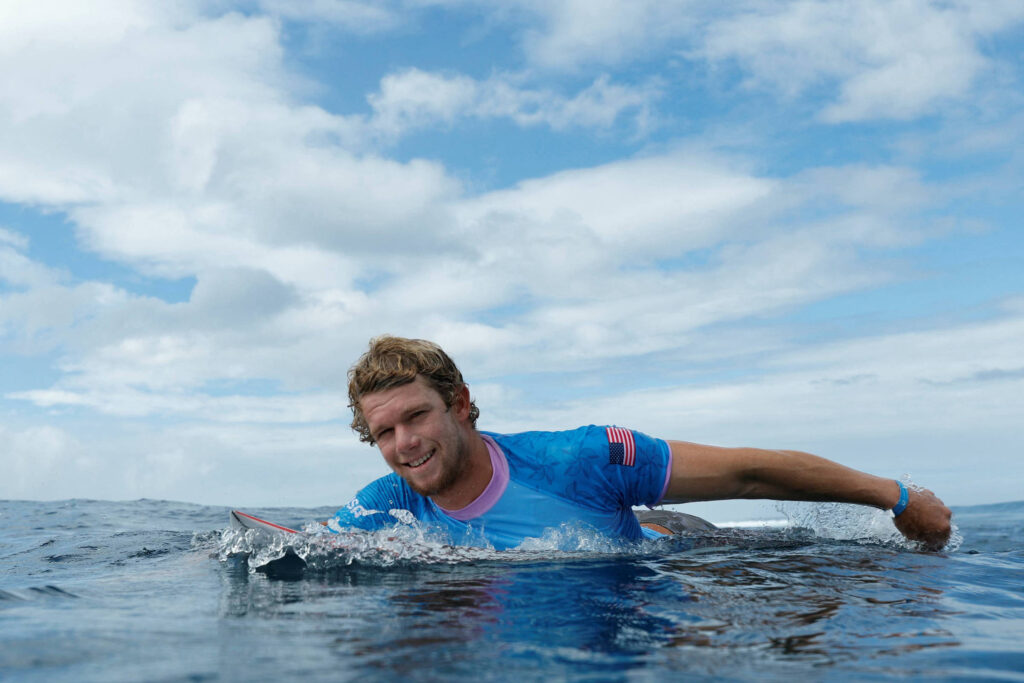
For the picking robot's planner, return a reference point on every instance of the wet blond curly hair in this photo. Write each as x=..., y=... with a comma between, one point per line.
x=394, y=361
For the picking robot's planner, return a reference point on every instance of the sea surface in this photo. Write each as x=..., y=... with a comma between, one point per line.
x=163, y=591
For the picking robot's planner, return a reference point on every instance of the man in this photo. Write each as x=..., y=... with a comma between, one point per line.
x=408, y=397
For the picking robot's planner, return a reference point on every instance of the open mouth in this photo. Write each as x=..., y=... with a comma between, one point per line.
x=417, y=463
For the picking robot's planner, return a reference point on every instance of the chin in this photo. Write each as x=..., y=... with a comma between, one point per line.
x=424, y=488
x=434, y=487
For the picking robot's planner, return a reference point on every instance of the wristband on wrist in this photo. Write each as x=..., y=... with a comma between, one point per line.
x=901, y=504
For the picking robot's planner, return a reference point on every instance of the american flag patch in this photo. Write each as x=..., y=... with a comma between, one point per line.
x=621, y=447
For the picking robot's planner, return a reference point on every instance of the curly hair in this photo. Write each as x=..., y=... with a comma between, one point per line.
x=394, y=361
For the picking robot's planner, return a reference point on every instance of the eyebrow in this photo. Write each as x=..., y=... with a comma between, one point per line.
x=402, y=416
x=416, y=408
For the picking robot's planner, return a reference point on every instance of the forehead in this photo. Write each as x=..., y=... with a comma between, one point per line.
x=382, y=405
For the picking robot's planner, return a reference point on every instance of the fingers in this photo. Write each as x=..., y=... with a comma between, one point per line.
x=926, y=519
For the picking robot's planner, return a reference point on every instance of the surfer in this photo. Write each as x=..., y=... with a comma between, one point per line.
x=409, y=399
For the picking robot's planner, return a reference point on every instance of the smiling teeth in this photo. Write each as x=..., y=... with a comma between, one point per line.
x=422, y=460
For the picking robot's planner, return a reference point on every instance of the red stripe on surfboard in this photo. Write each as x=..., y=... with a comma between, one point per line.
x=263, y=521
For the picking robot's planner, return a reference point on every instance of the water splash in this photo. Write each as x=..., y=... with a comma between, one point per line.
x=415, y=544
x=859, y=523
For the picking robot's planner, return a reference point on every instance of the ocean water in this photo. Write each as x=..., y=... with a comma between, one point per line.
x=155, y=590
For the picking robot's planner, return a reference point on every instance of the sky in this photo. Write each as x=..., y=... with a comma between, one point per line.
x=785, y=224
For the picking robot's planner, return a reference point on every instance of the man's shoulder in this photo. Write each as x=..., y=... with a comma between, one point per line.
x=543, y=455
x=543, y=433
x=568, y=440
x=581, y=452
x=546, y=443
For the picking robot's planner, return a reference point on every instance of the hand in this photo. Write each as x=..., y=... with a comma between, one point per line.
x=926, y=519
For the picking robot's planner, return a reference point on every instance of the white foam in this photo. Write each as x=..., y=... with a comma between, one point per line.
x=755, y=524
x=415, y=544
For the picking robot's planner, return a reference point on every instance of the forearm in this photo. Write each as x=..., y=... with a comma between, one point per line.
x=793, y=475
x=712, y=473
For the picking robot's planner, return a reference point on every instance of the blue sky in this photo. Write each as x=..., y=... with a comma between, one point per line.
x=787, y=224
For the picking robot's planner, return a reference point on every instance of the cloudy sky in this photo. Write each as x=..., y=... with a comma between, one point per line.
x=786, y=223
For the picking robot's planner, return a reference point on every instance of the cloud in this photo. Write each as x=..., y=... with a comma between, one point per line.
x=896, y=60
x=349, y=15
x=121, y=84
x=177, y=142
x=239, y=465
x=558, y=273
x=414, y=99
x=575, y=32
x=877, y=59
x=875, y=386
x=303, y=243
x=11, y=238
x=196, y=153
x=109, y=393
x=32, y=457
x=19, y=271
x=635, y=208
x=577, y=283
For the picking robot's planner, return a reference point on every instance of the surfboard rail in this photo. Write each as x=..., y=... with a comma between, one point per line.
x=243, y=520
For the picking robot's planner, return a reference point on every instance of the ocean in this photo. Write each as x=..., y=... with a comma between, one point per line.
x=162, y=591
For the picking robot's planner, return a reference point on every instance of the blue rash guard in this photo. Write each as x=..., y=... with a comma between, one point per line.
x=592, y=474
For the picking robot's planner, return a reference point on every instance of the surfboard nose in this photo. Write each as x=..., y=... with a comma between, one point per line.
x=241, y=520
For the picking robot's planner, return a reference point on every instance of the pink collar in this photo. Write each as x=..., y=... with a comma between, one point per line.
x=499, y=482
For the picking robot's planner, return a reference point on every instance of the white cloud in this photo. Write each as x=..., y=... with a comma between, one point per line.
x=888, y=59
x=882, y=189
x=108, y=394
x=13, y=239
x=32, y=457
x=238, y=465
x=587, y=263
x=576, y=32
x=19, y=270
x=877, y=387
x=259, y=199
x=641, y=256
x=120, y=87
x=46, y=316
x=413, y=99
x=876, y=59
x=350, y=15
x=660, y=206
x=24, y=22
x=244, y=177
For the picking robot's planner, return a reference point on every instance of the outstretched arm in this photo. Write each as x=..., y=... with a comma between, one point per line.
x=712, y=473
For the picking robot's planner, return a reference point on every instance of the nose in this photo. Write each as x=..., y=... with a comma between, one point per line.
x=405, y=439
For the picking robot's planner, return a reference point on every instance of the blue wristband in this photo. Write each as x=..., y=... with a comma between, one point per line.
x=901, y=505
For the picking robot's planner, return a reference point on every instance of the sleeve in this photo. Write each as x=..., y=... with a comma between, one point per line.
x=631, y=467
x=371, y=509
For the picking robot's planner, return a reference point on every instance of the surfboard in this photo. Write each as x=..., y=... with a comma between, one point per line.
x=291, y=566
x=242, y=520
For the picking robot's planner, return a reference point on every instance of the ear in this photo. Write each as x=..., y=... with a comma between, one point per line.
x=460, y=406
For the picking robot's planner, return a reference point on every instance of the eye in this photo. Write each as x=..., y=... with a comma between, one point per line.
x=382, y=433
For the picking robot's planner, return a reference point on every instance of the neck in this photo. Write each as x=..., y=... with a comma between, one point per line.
x=474, y=478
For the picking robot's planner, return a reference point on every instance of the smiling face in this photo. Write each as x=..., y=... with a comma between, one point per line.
x=424, y=441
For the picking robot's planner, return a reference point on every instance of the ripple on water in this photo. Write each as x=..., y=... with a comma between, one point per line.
x=831, y=603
